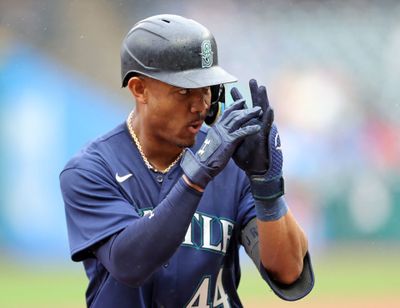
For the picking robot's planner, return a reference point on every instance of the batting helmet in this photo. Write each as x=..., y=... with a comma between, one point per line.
x=178, y=51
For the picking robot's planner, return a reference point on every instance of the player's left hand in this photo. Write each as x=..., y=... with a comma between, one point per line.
x=260, y=155
x=252, y=155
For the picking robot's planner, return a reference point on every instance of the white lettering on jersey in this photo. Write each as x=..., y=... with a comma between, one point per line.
x=227, y=228
x=217, y=241
x=189, y=233
x=150, y=214
x=207, y=235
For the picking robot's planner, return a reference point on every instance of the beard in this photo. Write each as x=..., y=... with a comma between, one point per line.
x=187, y=143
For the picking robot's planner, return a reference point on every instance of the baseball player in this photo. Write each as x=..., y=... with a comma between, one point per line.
x=158, y=208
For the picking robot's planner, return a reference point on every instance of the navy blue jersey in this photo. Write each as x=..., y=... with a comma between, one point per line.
x=109, y=186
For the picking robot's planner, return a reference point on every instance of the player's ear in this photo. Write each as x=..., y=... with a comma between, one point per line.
x=137, y=86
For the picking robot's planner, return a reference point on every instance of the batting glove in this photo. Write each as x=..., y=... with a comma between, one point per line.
x=221, y=141
x=260, y=155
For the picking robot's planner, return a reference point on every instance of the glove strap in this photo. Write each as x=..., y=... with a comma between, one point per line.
x=267, y=189
x=196, y=172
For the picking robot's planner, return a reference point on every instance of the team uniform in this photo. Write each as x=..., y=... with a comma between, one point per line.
x=107, y=186
x=207, y=260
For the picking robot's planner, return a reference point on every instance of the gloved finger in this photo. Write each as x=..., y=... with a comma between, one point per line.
x=263, y=97
x=245, y=131
x=238, y=105
x=268, y=119
x=254, y=93
x=236, y=95
x=258, y=95
x=238, y=118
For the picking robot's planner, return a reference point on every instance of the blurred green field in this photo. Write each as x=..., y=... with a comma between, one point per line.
x=349, y=277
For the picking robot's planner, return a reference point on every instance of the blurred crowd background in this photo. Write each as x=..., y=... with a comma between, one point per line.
x=332, y=71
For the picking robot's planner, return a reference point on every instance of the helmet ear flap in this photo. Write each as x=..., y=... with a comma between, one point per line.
x=217, y=101
x=213, y=113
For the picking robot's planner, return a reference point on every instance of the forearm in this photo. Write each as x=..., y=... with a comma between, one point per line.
x=279, y=247
x=136, y=252
x=283, y=246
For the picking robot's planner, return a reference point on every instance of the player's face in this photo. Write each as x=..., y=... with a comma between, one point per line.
x=176, y=114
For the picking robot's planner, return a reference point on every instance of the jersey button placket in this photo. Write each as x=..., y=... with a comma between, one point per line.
x=159, y=178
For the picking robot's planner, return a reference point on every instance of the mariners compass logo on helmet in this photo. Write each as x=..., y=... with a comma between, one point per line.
x=206, y=54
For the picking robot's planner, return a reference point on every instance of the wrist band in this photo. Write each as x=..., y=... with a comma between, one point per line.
x=267, y=189
x=270, y=210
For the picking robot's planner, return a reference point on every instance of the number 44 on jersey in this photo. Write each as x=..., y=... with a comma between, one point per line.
x=201, y=299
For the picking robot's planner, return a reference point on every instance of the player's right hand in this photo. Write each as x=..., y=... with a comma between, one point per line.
x=220, y=143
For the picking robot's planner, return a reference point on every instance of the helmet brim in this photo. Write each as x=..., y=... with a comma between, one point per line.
x=195, y=78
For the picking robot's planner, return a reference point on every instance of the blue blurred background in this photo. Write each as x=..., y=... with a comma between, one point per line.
x=332, y=71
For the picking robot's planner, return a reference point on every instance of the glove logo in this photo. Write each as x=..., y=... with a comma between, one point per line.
x=278, y=145
x=206, y=54
x=202, y=149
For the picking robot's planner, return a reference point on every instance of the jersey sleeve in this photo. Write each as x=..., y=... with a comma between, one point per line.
x=95, y=209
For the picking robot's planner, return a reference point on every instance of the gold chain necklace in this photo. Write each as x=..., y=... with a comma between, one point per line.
x=136, y=140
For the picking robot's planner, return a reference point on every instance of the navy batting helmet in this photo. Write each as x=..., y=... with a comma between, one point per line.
x=178, y=51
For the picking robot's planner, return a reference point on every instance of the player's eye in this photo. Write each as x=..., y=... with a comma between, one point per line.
x=207, y=91
x=183, y=91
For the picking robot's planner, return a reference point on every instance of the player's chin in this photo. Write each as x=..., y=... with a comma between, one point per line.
x=186, y=142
